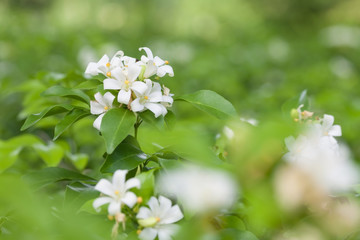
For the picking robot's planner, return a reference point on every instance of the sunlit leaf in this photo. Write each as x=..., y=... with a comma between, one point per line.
x=34, y=118
x=69, y=119
x=115, y=126
x=51, y=154
x=61, y=91
x=79, y=160
x=210, y=102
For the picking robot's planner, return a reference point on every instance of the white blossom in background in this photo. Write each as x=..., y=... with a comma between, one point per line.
x=158, y=219
x=317, y=154
x=251, y=121
x=116, y=192
x=199, y=189
x=105, y=66
x=151, y=99
x=100, y=107
x=155, y=65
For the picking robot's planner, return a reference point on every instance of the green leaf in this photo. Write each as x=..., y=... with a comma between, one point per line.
x=210, y=102
x=51, y=154
x=89, y=84
x=43, y=177
x=69, y=119
x=34, y=118
x=126, y=156
x=147, y=181
x=79, y=160
x=234, y=234
x=10, y=149
x=67, y=92
x=77, y=193
x=149, y=117
x=115, y=126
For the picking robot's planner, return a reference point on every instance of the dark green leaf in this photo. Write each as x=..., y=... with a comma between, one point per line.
x=67, y=92
x=116, y=124
x=149, y=117
x=126, y=156
x=34, y=118
x=68, y=120
x=210, y=102
x=43, y=177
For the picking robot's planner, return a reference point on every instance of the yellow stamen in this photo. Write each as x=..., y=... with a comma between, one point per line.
x=126, y=82
x=110, y=217
x=157, y=219
x=138, y=231
x=108, y=74
x=166, y=62
x=106, y=108
x=108, y=64
x=146, y=98
x=126, y=65
x=116, y=192
x=139, y=200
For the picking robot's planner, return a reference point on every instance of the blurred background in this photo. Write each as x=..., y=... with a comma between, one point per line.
x=257, y=54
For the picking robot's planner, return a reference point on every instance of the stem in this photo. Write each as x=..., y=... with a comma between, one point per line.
x=137, y=125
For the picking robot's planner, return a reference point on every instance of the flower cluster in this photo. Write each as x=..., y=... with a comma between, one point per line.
x=130, y=80
x=156, y=221
x=318, y=154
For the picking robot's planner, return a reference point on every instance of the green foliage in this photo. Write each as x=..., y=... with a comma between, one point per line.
x=70, y=118
x=116, y=124
x=66, y=92
x=210, y=102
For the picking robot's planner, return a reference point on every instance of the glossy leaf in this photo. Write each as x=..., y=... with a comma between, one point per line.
x=89, y=84
x=77, y=193
x=210, y=102
x=79, y=160
x=61, y=91
x=34, y=118
x=69, y=119
x=43, y=177
x=116, y=124
x=126, y=156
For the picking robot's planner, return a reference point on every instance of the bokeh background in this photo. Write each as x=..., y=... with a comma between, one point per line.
x=257, y=54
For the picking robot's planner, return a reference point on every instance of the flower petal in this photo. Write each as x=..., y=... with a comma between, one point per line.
x=129, y=199
x=335, y=131
x=150, y=69
x=97, y=122
x=96, y=108
x=165, y=205
x=156, y=108
x=158, y=61
x=99, y=98
x=131, y=183
x=133, y=72
x=168, y=99
x=174, y=214
x=105, y=187
x=166, y=231
x=114, y=208
x=118, y=74
x=112, y=84
x=118, y=180
x=136, y=106
x=92, y=69
x=328, y=121
x=109, y=99
x=154, y=205
x=144, y=213
x=166, y=69
x=139, y=87
x=124, y=96
x=101, y=201
x=148, y=52
x=148, y=234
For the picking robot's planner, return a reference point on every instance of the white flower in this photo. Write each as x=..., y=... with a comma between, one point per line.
x=101, y=106
x=151, y=99
x=125, y=81
x=104, y=66
x=116, y=192
x=167, y=100
x=317, y=154
x=200, y=189
x=159, y=219
x=155, y=65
